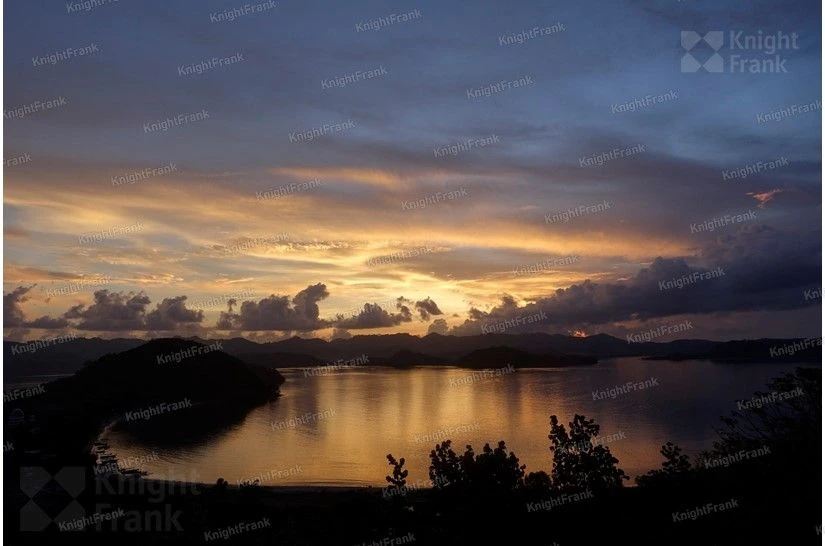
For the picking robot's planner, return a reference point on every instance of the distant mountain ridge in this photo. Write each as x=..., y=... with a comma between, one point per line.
x=395, y=350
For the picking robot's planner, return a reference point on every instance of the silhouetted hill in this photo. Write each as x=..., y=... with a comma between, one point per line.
x=502, y=356
x=756, y=350
x=166, y=386
x=406, y=359
x=163, y=368
x=280, y=360
x=27, y=359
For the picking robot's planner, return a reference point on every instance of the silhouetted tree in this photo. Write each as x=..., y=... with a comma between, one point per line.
x=578, y=463
x=398, y=479
x=787, y=419
x=538, y=481
x=493, y=470
x=676, y=466
x=445, y=466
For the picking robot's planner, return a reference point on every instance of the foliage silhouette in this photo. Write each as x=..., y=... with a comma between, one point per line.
x=538, y=481
x=787, y=419
x=398, y=479
x=446, y=468
x=494, y=470
x=578, y=463
x=675, y=468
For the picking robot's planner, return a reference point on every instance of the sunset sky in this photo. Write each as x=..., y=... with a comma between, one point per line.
x=90, y=251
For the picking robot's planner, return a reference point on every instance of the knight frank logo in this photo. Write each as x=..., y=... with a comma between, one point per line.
x=737, y=51
x=714, y=39
x=51, y=498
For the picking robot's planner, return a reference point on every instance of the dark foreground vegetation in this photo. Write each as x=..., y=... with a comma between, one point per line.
x=760, y=484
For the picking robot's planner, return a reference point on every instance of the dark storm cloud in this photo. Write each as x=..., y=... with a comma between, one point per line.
x=340, y=333
x=278, y=312
x=438, y=326
x=171, y=313
x=14, y=317
x=374, y=316
x=426, y=308
x=48, y=323
x=748, y=270
x=127, y=311
x=117, y=311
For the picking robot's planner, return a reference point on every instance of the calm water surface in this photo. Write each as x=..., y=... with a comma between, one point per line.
x=337, y=429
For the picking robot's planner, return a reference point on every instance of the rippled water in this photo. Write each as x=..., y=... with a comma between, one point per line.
x=337, y=429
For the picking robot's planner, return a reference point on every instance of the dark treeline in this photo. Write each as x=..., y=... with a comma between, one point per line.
x=758, y=484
